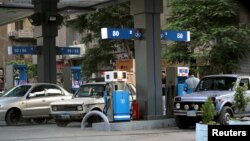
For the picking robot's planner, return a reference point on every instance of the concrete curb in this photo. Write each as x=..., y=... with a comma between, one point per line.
x=135, y=125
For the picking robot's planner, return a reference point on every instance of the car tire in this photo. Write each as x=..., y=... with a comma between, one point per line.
x=182, y=122
x=39, y=120
x=93, y=119
x=61, y=123
x=225, y=115
x=13, y=117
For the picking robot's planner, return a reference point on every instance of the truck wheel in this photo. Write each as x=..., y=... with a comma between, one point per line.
x=13, y=117
x=61, y=123
x=181, y=122
x=225, y=115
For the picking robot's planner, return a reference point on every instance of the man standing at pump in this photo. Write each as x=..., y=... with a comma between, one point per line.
x=192, y=82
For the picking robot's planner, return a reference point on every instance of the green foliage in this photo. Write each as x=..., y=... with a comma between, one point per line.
x=208, y=111
x=94, y=58
x=176, y=53
x=217, y=37
x=116, y=16
x=240, y=100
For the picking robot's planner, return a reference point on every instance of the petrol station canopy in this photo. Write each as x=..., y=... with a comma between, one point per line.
x=12, y=10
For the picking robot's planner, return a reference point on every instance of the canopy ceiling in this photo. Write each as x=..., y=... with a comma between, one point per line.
x=12, y=10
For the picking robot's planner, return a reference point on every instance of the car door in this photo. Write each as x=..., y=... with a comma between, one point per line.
x=36, y=105
x=246, y=82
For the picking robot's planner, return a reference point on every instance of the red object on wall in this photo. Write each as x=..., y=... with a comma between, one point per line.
x=135, y=110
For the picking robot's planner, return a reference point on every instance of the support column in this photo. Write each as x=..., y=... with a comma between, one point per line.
x=148, y=57
x=46, y=33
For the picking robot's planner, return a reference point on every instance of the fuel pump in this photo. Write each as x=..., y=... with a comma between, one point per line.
x=116, y=97
x=76, y=78
x=182, y=75
x=72, y=78
x=16, y=74
x=175, y=84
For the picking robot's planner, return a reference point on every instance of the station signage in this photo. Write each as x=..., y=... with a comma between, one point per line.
x=68, y=50
x=130, y=33
x=22, y=50
x=34, y=50
x=173, y=35
x=121, y=33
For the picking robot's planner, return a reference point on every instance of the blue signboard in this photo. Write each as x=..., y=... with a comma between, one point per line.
x=129, y=33
x=69, y=50
x=34, y=50
x=175, y=35
x=22, y=50
x=120, y=33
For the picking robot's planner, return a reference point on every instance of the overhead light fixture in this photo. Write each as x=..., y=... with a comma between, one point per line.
x=52, y=18
x=38, y=18
x=35, y=19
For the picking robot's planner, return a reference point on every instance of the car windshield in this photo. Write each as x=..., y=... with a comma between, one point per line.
x=18, y=91
x=90, y=90
x=216, y=83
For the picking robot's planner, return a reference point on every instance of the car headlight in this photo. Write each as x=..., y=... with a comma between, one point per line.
x=196, y=106
x=79, y=108
x=177, y=105
x=186, y=107
x=54, y=108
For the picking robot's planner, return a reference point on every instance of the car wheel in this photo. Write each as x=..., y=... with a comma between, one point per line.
x=97, y=118
x=225, y=115
x=61, y=123
x=13, y=117
x=181, y=122
x=93, y=119
x=39, y=120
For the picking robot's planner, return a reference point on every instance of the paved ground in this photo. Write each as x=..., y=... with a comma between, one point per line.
x=73, y=132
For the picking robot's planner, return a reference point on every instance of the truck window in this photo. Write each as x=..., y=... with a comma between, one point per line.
x=246, y=82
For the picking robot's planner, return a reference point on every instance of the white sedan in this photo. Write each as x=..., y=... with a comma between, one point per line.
x=30, y=101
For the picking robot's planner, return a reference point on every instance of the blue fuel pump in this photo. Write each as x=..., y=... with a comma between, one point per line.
x=121, y=106
x=20, y=73
x=181, y=86
x=76, y=78
x=182, y=75
x=16, y=74
x=72, y=78
x=116, y=98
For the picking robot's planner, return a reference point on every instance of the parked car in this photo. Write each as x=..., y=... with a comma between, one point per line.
x=221, y=89
x=90, y=96
x=30, y=101
x=1, y=93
